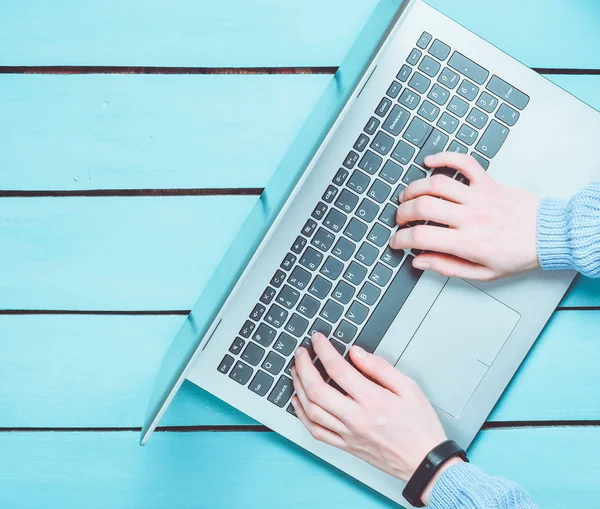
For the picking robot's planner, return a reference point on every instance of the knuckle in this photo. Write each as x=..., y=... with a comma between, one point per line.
x=317, y=433
x=312, y=411
x=419, y=235
x=438, y=183
x=312, y=389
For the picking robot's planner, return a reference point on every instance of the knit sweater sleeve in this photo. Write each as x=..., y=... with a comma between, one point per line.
x=568, y=232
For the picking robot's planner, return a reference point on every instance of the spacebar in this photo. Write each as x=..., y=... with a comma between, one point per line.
x=389, y=306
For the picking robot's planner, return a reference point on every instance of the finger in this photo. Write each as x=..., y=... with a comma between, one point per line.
x=451, y=266
x=439, y=186
x=318, y=432
x=314, y=412
x=430, y=238
x=467, y=165
x=428, y=208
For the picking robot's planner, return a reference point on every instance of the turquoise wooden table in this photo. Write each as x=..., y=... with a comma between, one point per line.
x=135, y=136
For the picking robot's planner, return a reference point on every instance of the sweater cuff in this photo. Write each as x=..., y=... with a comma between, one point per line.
x=553, y=242
x=452, y=486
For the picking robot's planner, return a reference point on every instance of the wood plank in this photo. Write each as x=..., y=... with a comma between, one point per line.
x=74, y=470
x=52, y=364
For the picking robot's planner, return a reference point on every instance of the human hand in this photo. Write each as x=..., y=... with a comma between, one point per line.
x=384, y=419
x=492, y=228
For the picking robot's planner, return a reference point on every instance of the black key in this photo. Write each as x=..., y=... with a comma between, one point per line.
x=458, y=106
x=320, y=287
x=341, y=349
x=346, y=201
x=367, y=254
x=226, y=364
x=345, y=331
x=379, y=191
x=424, y=40
x=276, y=316
x=288, y=261
x=288, y=296
x=300, y=242
x=403, y=152
x=332, y=268
x=429, y=111
x=394, y=89
x=241, y=373
x=297, y=325
x=367, y=210
x=449, y=78
x=413, y=173
x=282, y=392
x=378, y=235
x=329, y=195
x=285, y=343
x=237, y=345
x=468, y=90
x=391, y=172
x=477, y=118
x=448, y=123
x=409, y=99
x=507, y=92
x=309, y=227
x=417, y=132
x=334, y=220
x=267, y=295
x=493, y=139
x=276, y=281
x=419, y=82
x=308, y=306
x=288, y=368
x=358, y=181
x=392, y=257
x=370, y=162
x=343, y=292
x=264, y=335
x=355, y=230
x=467, y=134
x=485, y=164
x=355, y=273
x=299, y=278
x=388, y=215
x=439, y=95
x=395, y=199
x=321, y=369
x=321, y=326
x=343, y=249
x=462, y=179
x=445, y=171
x=404, y=73
x=429, y=66
x=383, y=107
x=261, y=383
x=487, y=102
x=253, y=354
x=396, y=120
x=357, y=313
x=247, y=329
x=273, y=363
x=323, y=239
x=372, y=125
x=434, y=145
x=382, y=143
x=351, y=160
x=414, y=56
x=439, y=50
x=290, y=408
x=380, y=275
x=507, y=115
x=308, y=346
x=469, y=68
x=457, y=147
x=361, y=143
x=340, y=177
x=311, y=258
x=369, y=293
x=389, y=306
x=319, y=211
x=331, y=311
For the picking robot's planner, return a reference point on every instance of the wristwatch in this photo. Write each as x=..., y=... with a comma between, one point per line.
x=428, y=468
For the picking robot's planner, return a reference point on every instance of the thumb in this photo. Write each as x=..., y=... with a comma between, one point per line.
x=452, y=266
x=379, y=370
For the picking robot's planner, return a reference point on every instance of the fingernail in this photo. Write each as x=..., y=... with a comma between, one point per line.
x=429, y=158
x=401, y=197
x=316, y=337
x=299, y=352
x=418, y=264
x=360, y=353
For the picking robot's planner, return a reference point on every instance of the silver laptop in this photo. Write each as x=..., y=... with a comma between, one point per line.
x=313, y=255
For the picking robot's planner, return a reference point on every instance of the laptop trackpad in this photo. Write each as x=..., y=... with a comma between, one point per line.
x=451, y=351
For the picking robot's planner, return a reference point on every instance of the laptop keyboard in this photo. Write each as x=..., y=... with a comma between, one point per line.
x=340, y=277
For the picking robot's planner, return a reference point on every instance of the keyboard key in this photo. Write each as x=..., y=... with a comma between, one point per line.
x=290, y=408
x=417, y=132
x=276, y=316
x=409, y=99
x=477, y=118
x=309, y=306
x=355, y=273
x=340, y=177
x=285, y=343
x=323, y=240
x=396, y=196
x=458, y=106
x=273, y=363
x=424, y=40
x=299, y=278
x=367, y=254
x=332, y=268
x=341, y=349
x=358, y=181
x=413, y=173
x=226, y=364
x=429, y=66
x=439, y=50
x=355, y=230
x=449, y=78
x=379, y=191
x=247, y=329
x=319, y=211
x=311, y=258
x=264, y=335
x=261, y=383
x=459, y=177
x=448, y=123
x=357, y=313
x=388, y=216
x=382, y=143
x=369, y=293
x=309, y=227
x=394, y=89
x=434, y=145
x=282, y=392
x=288, y=296
x=345, y=331
x=391, y=172
x=332, y=311
x=378, y=235
x=439, y=95
x=343, y=292
x=468, y=90
x=320, y=287
x=383, y=107
x=300, y=242
x=429, y=111
x=367, y=210
x=267, y=295
x=297, y=326
x=327, y=197
x=372, y=125
x=507, y=115
x=343, y=249
x=253, y=354
x=404, y=73
x=346, y=201
x=258, y=312
x=403, y=152
x=276, y=281
x=320, y=326
x=392, y=257
x=446, y=172
x=380, y=275
x=241, y=373
x=469, y=68
x=457, y=148
x=396, y=120
x=487, y=102
x=288, y=261
x=419, y=82
x=414, y=56
x=288, y=368
x=361, y=143
x=507, y=92
x=370, y=162
x=321, y=369
x=467, y=134
x=351, y=160
x=485, y=164
x=335, y=220
x=308, y=346
x=493, y=139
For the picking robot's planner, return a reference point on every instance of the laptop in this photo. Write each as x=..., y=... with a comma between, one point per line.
x=313, y=254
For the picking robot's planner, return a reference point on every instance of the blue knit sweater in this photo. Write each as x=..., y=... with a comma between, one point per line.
x=568, y=237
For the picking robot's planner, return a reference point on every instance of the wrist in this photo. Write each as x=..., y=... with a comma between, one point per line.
x=427, y=492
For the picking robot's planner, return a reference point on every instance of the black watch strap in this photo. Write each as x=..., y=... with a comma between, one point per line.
x=428, y=468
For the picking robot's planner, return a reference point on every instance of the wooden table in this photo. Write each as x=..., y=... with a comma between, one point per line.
x=135, y=135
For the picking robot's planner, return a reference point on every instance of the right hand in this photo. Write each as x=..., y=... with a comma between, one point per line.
x=492, y=228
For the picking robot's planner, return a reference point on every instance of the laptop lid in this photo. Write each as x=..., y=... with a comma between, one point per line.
x=181, y=353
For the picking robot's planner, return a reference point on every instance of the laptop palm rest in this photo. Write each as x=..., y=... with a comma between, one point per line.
x=456, y=343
